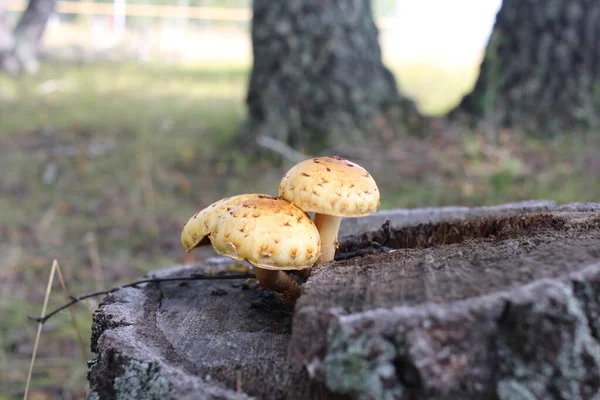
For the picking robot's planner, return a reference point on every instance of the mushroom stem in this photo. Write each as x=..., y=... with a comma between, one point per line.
x=281, y=283
x=302, y=273
x=328, y=227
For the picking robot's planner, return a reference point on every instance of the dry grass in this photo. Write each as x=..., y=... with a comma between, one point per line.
x=123, y=154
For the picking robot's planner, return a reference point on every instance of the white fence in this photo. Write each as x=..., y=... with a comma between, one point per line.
x=120, y=9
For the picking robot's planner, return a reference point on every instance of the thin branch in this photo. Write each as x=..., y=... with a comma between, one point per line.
x=193, y=277
x=41, y=324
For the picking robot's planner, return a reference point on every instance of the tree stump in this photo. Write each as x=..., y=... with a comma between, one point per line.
x=492, y=302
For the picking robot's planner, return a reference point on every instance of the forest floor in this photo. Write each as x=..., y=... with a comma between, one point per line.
x=102, y=164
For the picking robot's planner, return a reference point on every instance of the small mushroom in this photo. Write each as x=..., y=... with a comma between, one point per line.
x=196, y=230
x=332, y=188
x=273, y=235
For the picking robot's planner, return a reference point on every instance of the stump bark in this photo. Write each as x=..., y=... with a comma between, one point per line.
x=493, y=302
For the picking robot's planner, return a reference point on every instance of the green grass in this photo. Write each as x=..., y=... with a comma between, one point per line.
x=163, y=135
x=158, y=131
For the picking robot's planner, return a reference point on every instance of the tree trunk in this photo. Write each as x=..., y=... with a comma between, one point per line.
x=19, y=50
x=29, y=33
x=541, y=71
x=318, y=77
x=7, y=60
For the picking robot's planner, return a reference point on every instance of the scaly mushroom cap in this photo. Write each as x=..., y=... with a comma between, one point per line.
x=332, y=186
x=202, y=223
x=269, y=233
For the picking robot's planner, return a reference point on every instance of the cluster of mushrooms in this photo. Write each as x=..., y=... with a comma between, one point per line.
x=275, y=234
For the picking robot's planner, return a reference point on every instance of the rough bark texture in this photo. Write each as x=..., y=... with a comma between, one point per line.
x=540, y=73
x=493, y=302
x=21, y=52
x=190, y=341
x=502, y=308
x=318, y=77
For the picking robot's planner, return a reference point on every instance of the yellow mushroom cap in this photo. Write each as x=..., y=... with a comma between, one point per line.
x=269, y=233
x=332, y=186
x=202, y=223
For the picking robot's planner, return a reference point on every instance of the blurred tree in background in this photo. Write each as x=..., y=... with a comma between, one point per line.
x=541, y=69
x=20, y=50
x=318, y=77
x=6, y=40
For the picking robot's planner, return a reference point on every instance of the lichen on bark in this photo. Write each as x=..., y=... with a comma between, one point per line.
x=141, y=380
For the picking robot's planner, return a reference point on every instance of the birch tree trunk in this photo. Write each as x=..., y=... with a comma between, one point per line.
x=7, y=61
x=29, y=32
x=19, y=49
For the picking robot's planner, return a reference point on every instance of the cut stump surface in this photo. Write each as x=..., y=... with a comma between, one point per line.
x=492, y=302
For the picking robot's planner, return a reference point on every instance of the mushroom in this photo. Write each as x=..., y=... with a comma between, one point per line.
x=273, y=235
x=196, y=230
x=332, y=188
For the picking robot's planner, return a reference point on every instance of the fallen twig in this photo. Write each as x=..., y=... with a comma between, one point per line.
x=194, y=277
x=279, y=147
